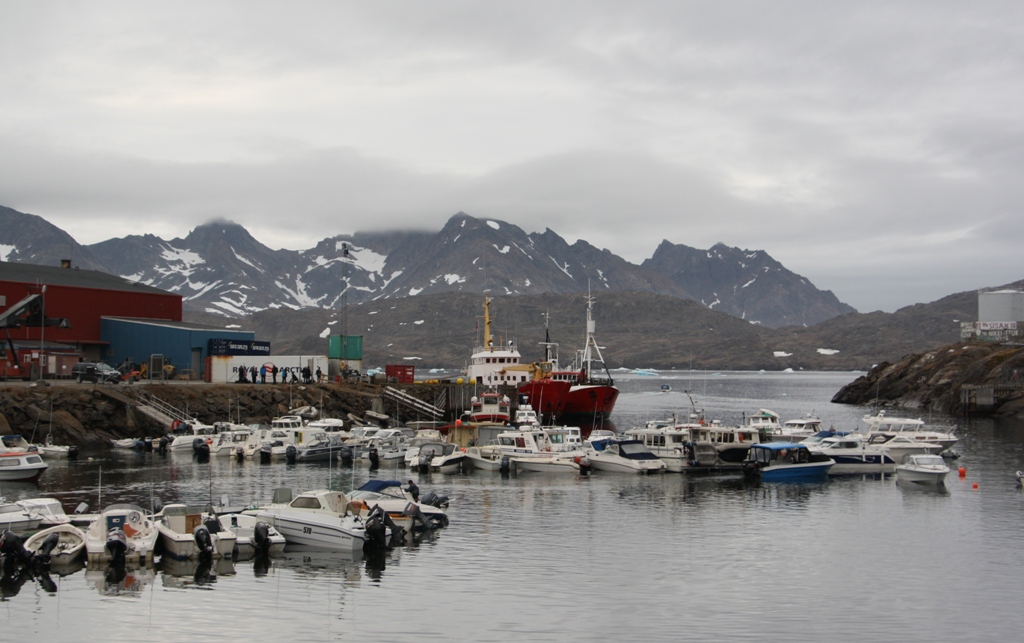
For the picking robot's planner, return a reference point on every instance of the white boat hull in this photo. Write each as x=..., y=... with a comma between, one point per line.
x=905, y=474
x=627, y=466
x=323, y=531
x=546, y=465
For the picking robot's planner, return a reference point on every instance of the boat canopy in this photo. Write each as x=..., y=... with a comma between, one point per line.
x=778, y=446
x=379, y=486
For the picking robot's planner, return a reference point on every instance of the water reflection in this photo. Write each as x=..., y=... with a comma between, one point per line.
x=119, y=580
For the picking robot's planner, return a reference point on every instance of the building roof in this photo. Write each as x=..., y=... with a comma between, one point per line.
x=73, y=277
x=183, y=325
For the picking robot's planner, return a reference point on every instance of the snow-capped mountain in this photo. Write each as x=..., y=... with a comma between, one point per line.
x=220, y=268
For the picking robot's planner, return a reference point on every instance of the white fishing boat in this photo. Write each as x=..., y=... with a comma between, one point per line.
x=188, y=532
x=762, y=420
x=525, y=417
x=796, y=430
x=255, y=537
x=922, y=469
x=122, y=533
x=853, y=454
x=319, y=518
x=232, y=439
x=60, y=544
x=448, y=459
x=623, y=456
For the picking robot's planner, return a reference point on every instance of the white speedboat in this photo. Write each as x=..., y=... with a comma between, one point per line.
x=192, y=532
x=486, y=458
x=317, y=446
x=387, y=450
x=853, y=454
x=122, y=532
x=18, y=464
x=924, y=469
x=186, y=433
x=549, y=464
x=49, y=510
x=56, y=451
x=16, y=518
x=255, y=537
x=448, y=459
x=623, y=456
x=60, y=544
x=796, y=430
x=320, y=518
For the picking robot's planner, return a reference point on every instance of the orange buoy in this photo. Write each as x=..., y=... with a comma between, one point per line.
x=963, y=472
x=975, y=485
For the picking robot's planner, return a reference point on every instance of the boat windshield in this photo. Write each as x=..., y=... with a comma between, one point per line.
x=929, y=460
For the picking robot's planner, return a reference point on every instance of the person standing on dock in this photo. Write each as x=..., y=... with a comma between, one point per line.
x=319, y=375
x=273, y=373
x=263, y=374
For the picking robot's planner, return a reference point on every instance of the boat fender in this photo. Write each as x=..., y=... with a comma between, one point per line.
x=547, y=449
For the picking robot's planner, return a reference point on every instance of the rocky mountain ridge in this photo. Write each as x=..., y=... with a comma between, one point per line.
x=220, y=269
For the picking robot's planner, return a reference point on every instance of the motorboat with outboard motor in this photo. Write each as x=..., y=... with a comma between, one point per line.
x=233, y=439
x=122, y=533
x=552, y=464
x=623, y=456
x=320, y=446
x=188, y=532
x=428, y=512
x=50, y=510
x=58, y=545
x=441, y=458
x=786, y=462
x=922, y=469
x=255, y=537
x=319, y=518
x=185, y=433
x=56, y=451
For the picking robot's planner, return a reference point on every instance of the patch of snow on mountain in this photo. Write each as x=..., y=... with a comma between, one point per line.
x=230, y=307
x=187, y=257
x=393, y=276
x=564, y=268
x=136, y=277
x=368, y=260
x=415, y=291
x=233, y=326
x=418, y=322
x=751, y=255
x=503, y=250
x=325, y=332
x=456, y=238
x=715, y=302
x=331, y=323
x=527, y=284
x=454, y=279
x=476, y=260
x=298, y=293
x=246, y=261
x=494, y=224
x=749, y=282
x=827, y=351
x=782, y=354
x=5, y=251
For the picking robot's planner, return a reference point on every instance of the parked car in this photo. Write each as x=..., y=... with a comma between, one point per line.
x=95, y=372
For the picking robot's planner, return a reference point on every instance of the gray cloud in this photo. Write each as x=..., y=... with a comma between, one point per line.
x=871, y=148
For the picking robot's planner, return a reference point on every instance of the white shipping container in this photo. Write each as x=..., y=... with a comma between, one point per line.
x=224, y=369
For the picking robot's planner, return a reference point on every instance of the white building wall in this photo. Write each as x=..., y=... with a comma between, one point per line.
x=225, y=369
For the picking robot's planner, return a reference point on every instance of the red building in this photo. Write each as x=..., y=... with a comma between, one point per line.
x=81, y=297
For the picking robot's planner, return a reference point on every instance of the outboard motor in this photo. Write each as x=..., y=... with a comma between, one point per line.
x=265, y=454
x=376, y=534
x=434, y=500
x=147, y=445
x=200, y=447
x=42, y=555
x=12, y=547
x=290, y=454
x=424, y=462
x=240, y=454
x=117, y=545
x=585, y=466
x=212, y=524
x=504, y=465
x=374, y=458
x=261, y=538
x=346, y=456
x=72, y=452
x=203, y=541
x=419, y=521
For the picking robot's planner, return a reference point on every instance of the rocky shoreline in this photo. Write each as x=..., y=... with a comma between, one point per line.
x=935, y=380
x=92, y=415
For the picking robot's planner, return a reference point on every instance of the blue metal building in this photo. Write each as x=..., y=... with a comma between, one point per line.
x=185, y=345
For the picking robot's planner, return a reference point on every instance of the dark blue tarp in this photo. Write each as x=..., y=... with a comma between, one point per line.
x=379, y=485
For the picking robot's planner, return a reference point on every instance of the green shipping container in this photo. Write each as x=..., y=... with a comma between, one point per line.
x=345, y=347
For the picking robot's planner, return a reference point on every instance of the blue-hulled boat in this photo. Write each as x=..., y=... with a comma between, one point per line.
x=786, y=461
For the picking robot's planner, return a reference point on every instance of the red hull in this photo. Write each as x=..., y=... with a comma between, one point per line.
x=590, y=400
x=547, y=397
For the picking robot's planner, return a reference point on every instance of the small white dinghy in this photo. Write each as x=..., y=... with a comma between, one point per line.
x=923, y=469
x=61, y=544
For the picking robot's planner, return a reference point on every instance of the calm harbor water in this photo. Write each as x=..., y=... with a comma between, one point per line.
x=610, y=558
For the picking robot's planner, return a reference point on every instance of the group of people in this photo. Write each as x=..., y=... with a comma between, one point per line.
x=247, y=374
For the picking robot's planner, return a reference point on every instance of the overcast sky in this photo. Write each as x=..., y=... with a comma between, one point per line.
x=872, y=147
